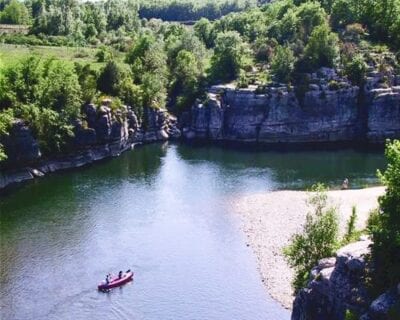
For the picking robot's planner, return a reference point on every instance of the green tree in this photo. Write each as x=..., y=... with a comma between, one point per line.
x=231, y=54
x=6, y=119
x=204, y=31
x=310, y=16
x=343, y=13
x=282, y=64
x=322, y=48
x=186, y=75
x=386, y=228
x=60, y=89
x=132, y=95
x=22, y=81
x=351, y=227
x=318, y=239
x=52, y=129
x=15, y=13
x=356, y=70
x=110, y=78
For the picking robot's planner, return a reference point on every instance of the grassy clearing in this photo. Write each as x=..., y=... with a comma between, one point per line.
x=10, y=54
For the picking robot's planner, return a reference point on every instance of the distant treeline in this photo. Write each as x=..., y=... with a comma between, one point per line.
x=189, y=10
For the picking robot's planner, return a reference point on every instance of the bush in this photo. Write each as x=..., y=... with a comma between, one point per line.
x=231, y=54
x=318, y=239
x=6, y=119
x=386, y=225
x=351, y=233
x=322, y=48
x=282, y=64
x=356, y=70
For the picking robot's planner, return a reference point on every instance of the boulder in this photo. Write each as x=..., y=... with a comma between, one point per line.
x=336, y=285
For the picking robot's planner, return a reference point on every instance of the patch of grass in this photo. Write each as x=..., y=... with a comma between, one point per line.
x=10, y=54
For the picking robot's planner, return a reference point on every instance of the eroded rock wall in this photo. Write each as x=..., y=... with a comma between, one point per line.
x=330, y=111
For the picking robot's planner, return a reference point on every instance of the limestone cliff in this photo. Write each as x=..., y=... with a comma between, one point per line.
x=331, y=110
x=100, y=134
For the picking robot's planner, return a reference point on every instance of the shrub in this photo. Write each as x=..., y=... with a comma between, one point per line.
x=351, y=227
x=322, y=48
x=318, y=239
x=386, y=225
x=6, y=118
x=282, y=64
x=356, y=70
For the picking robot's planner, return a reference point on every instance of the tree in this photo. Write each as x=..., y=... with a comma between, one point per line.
x=356, y=70
x=60, y=88
x=386, y=231
x=231, y=54
x=6, y=119
x=15, y=13
x=110, y=78
x=186, y=83
x=318, y=239
x=343, y=13
x=52, y=129
x=282, y=64
x=310, y=16
x=22, y=81
x=203, y=30
x=322, y=48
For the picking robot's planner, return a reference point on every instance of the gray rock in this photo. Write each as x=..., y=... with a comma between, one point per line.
x=20, y=145
x=335, y=286
x=386, y=304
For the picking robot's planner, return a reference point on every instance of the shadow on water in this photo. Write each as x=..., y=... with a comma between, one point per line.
x=295, y=169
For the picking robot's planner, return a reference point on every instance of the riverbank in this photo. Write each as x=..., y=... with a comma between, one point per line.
x=270, y=219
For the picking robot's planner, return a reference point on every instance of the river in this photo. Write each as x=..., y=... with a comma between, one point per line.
x=162, y=211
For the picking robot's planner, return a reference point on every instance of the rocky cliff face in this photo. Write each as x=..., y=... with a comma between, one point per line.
x=331, y=110
x=338, y=285
x=100, y=134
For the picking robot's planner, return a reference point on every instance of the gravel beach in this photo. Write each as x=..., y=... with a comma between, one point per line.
x=270, y=219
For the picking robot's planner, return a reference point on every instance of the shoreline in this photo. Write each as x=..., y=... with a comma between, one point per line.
x=268, y=221
x=11, y=178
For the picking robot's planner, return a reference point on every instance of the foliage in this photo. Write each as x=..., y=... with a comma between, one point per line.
x=318, y=239
x=231, y=55
x=322, y=48
x=52, y=129
x=110, y=78
x=14, y=12
x=189, y=10
x=356, y=70
x=386, y=228
x=282, y=64
x=351, y=227
x=60, y=89
x=6, y=119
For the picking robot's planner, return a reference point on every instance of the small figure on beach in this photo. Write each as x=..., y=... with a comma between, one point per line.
x=345, y=184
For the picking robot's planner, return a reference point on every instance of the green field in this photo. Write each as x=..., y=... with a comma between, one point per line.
x=11, y=54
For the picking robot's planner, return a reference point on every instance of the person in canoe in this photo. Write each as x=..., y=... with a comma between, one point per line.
x=108, y=276
x=120, y=275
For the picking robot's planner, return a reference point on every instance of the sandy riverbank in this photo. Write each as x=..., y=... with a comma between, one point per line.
x=269, y=220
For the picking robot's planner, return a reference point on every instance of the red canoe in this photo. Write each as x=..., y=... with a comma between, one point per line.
x=116, y=282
